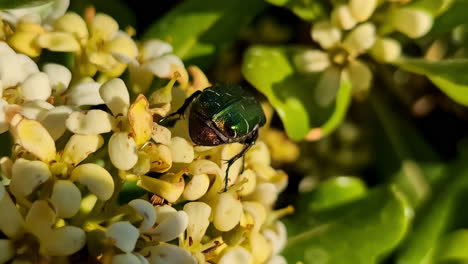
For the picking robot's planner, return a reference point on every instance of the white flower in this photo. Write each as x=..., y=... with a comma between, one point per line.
x=337, y=58
x=155, y=59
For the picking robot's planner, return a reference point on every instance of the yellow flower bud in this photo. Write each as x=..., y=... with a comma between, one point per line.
x=412, y=22
x=386, y=50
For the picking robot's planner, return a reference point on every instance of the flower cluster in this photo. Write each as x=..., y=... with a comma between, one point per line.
x=81, y=133
x=356, y=28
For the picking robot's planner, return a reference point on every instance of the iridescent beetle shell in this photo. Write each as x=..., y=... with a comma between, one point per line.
x=224, y=114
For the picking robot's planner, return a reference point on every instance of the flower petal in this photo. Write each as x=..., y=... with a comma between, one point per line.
x=140, y=120
x=33, y=137
x=96, y=178
x=79, y=147
x=7, y=250
x=171, y=191
x=227, y=213
x=311, y=61
x=386, y=50
x=171, y=227
x=327, y=86
x=63, y=241
x=3, y=118
x=126, y=258
x=90, y=122
x=27, y=176
x=66, y=198
x=236, y=255
x=161, y=134
x=59, y=76
x=58, y=41
x=146, y=211
x=85, y=93
x=40, y=218
x=341, y=16
x=123, y=151
x=121, y=44
x=35, y=87
x=265, y=193
x=35, y=109
x=257, y=211
x=5, y=49
x=360, y=76
x=154, y=48
x=72, y=23
x=198, y=220
x=362, y=9
x=11, y=222
x=160, y=157
x=54, y=120
x=196, y=187
x=124, y=235
x=103, y=26
x=412, y=22
x=161, y=66
x=360, y=39
x=260, y=247
x=115, y=95
x=11, y=72
x=167, y=253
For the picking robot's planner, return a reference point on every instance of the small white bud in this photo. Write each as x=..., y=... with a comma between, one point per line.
x=362, y=9
x=412, y=22
x=386, y=50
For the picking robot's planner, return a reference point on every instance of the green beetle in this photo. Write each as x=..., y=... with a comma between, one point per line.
x=223, y=114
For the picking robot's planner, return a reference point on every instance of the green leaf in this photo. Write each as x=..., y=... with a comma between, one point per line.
x=362, y=234
x=449, y=75
x=309, y=10
x=197, y=29
x=454, y=16
x=408, y=161
x=437, y=216
x=270, y=70
x=434, y=7
x=336, y=191
x=10, y=4
x=452, y=247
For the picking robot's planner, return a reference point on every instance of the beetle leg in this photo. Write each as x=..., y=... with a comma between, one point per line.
x=180, y=112
x=247, y=145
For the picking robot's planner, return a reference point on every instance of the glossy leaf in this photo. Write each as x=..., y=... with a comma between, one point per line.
x=269, y=69
x=362, y=233
x=10, y=4
x=337, y=191
x=197, y=29
x=449, y=75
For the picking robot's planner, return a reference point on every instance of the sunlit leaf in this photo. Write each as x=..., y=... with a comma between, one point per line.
x=363, y=233
x=197, y=29
x=270, y=70
x=336, y=191
x=449, y=75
